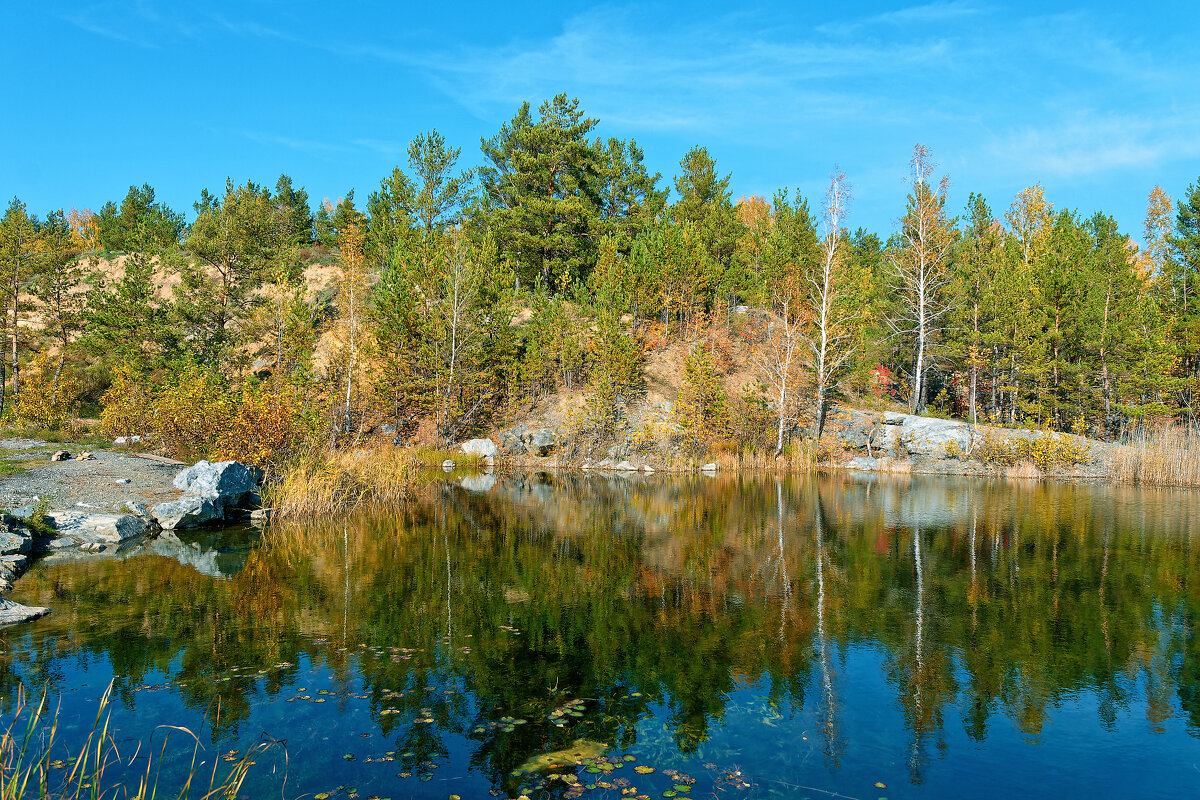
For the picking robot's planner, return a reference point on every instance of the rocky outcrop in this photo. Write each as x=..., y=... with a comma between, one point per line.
x=15, y=537
x=13, y=613
x=95, y=532
x=188, y=511
x=212, y=492
x=532, y=441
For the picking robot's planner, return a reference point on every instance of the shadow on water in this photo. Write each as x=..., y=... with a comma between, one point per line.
x=747, y=634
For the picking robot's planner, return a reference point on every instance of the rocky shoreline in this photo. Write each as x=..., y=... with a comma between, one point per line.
x=862, y=441
x=44, y=523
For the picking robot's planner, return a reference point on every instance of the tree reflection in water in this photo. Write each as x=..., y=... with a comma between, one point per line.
x=666, y=605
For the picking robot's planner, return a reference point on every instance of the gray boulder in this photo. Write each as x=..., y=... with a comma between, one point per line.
x=480, y=447
x=13, y=613
x=541, y=442
x=188, y=511
x=863, y=463
x=87, y=531
x=14, y=541
x=212, y=492
x=12, y=566
x=924, y=436
x=709, y=467
x=625, y=466
x=227, y=483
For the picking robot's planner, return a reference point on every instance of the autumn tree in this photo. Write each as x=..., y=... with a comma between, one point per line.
x=1182, y=279
x=57, y=287
x=352, y=288
x=780, y=342
x=702, y=408
x=233, y=244
x=628, y=194
x=418, y=204
x=977, y=259
x=829, y=336
x=920, y=268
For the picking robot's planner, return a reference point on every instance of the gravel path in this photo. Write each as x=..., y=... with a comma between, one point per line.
x=91, y=484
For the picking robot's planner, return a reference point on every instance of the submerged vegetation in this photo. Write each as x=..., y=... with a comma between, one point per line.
x=560, y=280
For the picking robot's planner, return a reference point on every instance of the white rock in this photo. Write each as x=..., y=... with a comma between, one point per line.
x=625, y=466
x=480, y=447
x=923, y=435
x=709, y=467
x=863, y=463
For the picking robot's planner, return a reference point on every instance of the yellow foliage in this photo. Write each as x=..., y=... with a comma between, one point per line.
x=266, y=427
x=336, y=481
x=1044, y=452
x=192, y=414
x=128, y=404
x=41, y=403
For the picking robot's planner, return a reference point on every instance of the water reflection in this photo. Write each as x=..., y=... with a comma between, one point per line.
x=931, y=628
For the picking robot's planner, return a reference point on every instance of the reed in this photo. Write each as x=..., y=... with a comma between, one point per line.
x=334, y=481
x=1166, y=456
x=31, y=765
x=895, y=466
x=1023, y=471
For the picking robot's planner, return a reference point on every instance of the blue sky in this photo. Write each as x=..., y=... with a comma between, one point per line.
x=1097, y=102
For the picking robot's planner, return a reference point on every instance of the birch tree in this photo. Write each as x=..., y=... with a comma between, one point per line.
x=777, y=358
x=352, y=291
x=920, y=268
x=829, y=337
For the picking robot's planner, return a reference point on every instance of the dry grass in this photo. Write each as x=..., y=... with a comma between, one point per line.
x=1168, y=456
x=34, y=765
x=1023, y=471
x=333, y=482
x=896, y=466
x=435, y=457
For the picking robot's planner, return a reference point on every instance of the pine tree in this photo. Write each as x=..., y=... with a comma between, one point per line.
x=540, y=187
x=19, y=254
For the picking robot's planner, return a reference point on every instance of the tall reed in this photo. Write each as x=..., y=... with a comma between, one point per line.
x=330, y=482
x=31, y=768
x=1168, y=456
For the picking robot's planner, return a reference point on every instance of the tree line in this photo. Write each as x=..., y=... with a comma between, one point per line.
x=462, y=295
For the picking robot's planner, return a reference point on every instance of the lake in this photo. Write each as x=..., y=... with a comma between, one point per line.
x=834, y=636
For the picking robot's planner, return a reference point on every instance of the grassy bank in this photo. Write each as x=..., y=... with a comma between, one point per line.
x=336, y=481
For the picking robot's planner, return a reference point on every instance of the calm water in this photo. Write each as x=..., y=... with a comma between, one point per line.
x=835, y=637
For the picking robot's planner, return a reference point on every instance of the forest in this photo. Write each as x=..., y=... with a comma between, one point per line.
x=454, y=299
